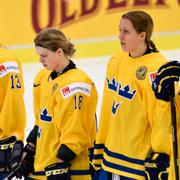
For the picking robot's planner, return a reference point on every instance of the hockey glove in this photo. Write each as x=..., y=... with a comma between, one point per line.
x=166, y=75
x=16, y=155
x=58, y=171
x=156, y=167
x=27, y=165
x=6, y=146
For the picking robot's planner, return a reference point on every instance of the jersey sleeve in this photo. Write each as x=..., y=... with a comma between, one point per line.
x=12, y=114
x=163, y=140
x=160, y=127
x=78, y=113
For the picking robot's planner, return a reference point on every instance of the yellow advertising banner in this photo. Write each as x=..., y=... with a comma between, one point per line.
x=90, y=24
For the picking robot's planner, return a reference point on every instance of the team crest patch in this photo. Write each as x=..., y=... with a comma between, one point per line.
x=71, y=89
x=152, y=76
x=55, y=86
x=8, y=67
x=141, y=72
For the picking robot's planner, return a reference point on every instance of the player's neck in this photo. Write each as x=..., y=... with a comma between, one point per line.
x=62, y=65
x=138, y=52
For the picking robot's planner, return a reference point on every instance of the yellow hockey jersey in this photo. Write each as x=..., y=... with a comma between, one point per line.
x=127, y=115
x=65, y=114
x=12, y=107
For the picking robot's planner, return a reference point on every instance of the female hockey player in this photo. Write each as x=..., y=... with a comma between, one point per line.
x=12, y=112
x=162, y=86
x=65, y=101
x=128, y=107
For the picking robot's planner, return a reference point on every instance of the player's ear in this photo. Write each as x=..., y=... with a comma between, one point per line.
x=142, y=35
x=59, y=51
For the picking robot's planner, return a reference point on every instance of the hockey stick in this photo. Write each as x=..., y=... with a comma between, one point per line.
x=174, y=131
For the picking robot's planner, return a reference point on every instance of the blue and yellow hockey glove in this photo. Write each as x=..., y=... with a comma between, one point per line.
x=16, y=155
x=156, y=167
x=166, y=75
x=58, y=171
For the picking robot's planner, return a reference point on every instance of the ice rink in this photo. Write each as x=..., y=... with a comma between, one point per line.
x=94, y=67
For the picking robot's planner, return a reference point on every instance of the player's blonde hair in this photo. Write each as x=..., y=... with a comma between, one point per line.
x=142, y=22
x=52, y=39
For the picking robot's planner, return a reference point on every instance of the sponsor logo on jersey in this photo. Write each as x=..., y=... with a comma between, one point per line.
x=2, y=68
x=8, y=67
x=141, y=72
x=71, y=89
x=152, y=76
x=65, y=91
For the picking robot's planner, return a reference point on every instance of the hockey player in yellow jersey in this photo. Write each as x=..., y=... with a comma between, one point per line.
x=123, y=143
x=162, y=85
x=65, y=101
x=12, y=111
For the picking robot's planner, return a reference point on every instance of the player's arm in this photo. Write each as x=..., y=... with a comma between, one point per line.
x=71, y=137
x=166, y=75
x=61, y=170
x=75, y=129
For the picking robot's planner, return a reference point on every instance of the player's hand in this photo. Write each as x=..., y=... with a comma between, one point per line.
x=27, y=164
x=156, y=167
x=166, y=76
x=58, y=171
x=16, y=155
x=28, y=161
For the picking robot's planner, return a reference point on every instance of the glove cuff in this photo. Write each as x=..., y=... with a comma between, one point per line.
x=29, y=149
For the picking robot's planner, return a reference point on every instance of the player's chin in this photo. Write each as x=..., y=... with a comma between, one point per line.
x=124, y=48
x=47, y=67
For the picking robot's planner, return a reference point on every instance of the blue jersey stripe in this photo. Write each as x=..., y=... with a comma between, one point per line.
x=123, y=168
x=99, y=146
x=98, y=156
x=123, y=157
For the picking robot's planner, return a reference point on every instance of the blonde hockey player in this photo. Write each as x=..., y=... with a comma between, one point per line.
x=12, y=112
x=123, y=144
x=65, y=101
